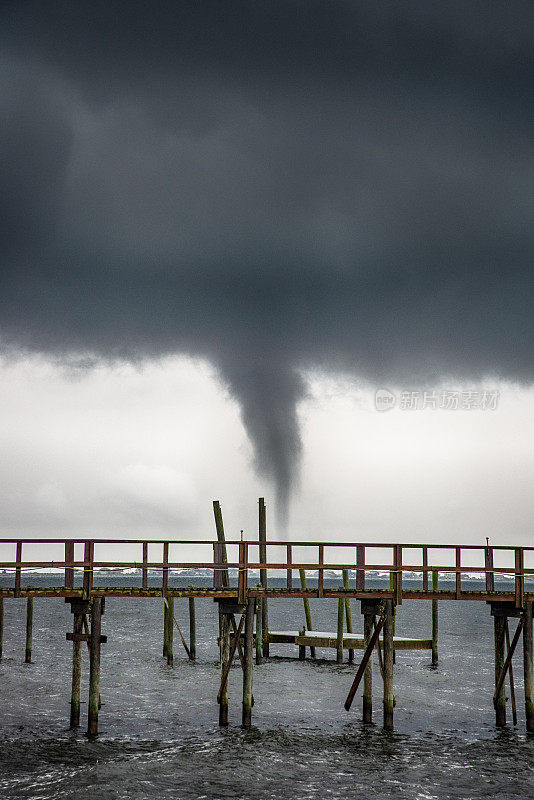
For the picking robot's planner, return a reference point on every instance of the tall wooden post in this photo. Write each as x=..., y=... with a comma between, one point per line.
x=94, y=666
x=499, y=623
x=225, y=656
x=389, y=699
x=170, y=630
x=368, y=674
x=528, y=668
x=29, y=629
x=339, y=640
x=259, y=635
x=192, y=630
x=1, y=626
x=434, y=620
x=307, y=610
x=262, y=528
x=76, y=669
x=248, y=665
x=348, y=615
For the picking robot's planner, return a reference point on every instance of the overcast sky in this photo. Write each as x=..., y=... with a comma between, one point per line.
x=225, y=225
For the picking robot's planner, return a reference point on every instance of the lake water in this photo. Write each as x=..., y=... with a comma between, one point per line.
x=159, y=733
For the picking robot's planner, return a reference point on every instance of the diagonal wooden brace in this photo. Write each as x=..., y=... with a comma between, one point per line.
x=508, y=660
x=224, y=679
x=361, y=669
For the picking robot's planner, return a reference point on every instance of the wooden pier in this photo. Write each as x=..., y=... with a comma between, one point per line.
x=230, y=576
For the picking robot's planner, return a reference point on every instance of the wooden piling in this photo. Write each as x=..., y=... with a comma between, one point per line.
x=29, y=630
x=499, y=623
x=1, y=626
x=389, y=699
x=528, y=667
x=368, y=629
x=94, y=666
x=225, y=656
x=170, y=630
x=192, y=630
x=259, y=635
x=348, y=615
x=307, y=610
x=434, y=620
x=339, y=641
x=165, y=628
x=262, y=528
x=248, y=666
x=76, y=670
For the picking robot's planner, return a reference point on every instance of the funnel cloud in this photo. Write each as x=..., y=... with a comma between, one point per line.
x=275, y=186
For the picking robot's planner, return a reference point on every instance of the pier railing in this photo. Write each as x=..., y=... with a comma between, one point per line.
x=240, y=562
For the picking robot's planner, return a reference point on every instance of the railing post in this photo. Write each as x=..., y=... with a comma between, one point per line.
x=320, y=580
x=217, y=564
x=289, y=570
x=488, y=561
x=458, y=574
x=242, y=579
x=165, y=571
x=18, y=559
x=69, y=558
x=145, y=562
x=397, y=585
x=519, y=578
x=360, y=564
x=425, y=572
x=88, y=558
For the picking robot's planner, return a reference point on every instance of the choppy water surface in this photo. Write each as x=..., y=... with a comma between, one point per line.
x=159, y=733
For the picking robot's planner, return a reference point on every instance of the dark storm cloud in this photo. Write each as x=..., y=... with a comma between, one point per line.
x=274, y=186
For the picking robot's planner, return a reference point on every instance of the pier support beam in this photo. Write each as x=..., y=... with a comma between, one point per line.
x=262, y=529
x=368, y=674
x=170, y=630
x=94, y=666
x=165, y=627
x=259, y=634
x=248, y=666
x=389, y=700
x=225, y=657
x=434, y=620
x=76, y=667
x=528, y=667
x=339, y=641
x=192, y=630
x=348, y=615
x=499, y=623
x=29, y=630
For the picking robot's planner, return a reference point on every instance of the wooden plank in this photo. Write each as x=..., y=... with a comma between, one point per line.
x=88, y=558
x=519, y=578
x=219, y=526
x=458, y=574
x=289, y=570
x=398, y=575
x=242, y=579
x=488, y=565
x=165, y=570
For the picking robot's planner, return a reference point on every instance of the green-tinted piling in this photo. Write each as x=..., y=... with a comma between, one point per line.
x=259, y=634
x=528, y=667
x=348, y=615
x=192, y=630
x=29, y=630
x=94, y=666
x=339, y=640
x=76, y=672
x=225, y=656
x=368, y=630
x=248, y=666
x=170, y=631
x=434, y=620
x=499, y=623
x=307, y=610
x=389, y=699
